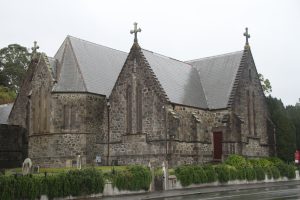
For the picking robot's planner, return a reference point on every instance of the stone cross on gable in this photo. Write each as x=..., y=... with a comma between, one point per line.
x=135, y=31
x=247, y=35
x=34, y=51
x=35, y=47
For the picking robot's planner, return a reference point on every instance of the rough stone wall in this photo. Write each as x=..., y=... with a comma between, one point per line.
x=77, y=128
x=249, y=112
x=185, y=138
x=130, y=143
x=19, y=114
x=192, y=134
x=13, y=146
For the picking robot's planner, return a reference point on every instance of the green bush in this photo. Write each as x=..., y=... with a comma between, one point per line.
x=275, y=161
x=259, y=172
x=233, y=173
x=184, y=175
x=241, y=174
x=132, y=178
x=188, y=175
x=275, y=172
x=236, y=161
x=210, y=173
x=223, y=173
x=283, y=169
x=291, y=174
x=249, y=173
x=75, y=183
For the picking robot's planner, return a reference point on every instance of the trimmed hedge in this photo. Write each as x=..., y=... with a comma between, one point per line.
x=190, y=174
x=236, y=161
x=132, y=178
x=235, y=168
x=75, y=183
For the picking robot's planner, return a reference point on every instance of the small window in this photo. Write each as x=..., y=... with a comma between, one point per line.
x=250, y=75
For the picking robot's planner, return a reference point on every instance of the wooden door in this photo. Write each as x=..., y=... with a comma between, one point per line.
x=217, y=145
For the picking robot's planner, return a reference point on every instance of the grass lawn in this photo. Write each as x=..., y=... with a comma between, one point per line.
x=104, y=169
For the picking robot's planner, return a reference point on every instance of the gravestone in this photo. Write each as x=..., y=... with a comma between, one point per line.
x=98, y=160
x=69, y=163
x=78, y=162
x=165, y=175
x=26, y=167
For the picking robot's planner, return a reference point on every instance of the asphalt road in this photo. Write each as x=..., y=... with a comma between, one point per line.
x=285, y=192
x=261, y=191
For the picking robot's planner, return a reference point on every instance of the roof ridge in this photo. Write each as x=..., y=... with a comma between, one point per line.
x=168, y=57
x=220, y=55
x=93, y=43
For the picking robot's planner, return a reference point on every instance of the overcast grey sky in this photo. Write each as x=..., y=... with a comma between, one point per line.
x=183, y=30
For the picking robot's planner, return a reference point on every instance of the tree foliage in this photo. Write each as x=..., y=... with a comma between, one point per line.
x=6, y=95
x=285, y=129
x=265, y=83
x=294, y=116
x=14, y=61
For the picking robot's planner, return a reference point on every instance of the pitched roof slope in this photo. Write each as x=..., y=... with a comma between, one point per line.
x=217, y=75
x=88, y=67
x=4, y=112
x=180, y=80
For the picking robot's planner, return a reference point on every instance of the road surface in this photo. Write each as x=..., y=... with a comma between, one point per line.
x=263, y=191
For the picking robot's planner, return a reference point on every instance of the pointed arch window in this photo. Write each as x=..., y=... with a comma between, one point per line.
x=139, y=107
x=250, y=75
x=254, y=114
x=129, y=108
x=249, y=112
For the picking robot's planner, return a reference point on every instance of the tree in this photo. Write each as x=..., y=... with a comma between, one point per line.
x=14, y=61
x=265, y=83
x=6, y=95
x=285, y=129
x=294, y=116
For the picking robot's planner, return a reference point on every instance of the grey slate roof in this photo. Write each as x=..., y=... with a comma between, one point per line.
x=4, y=112
x=88, y=67
x=52, y=66
x=180, y=80
x=217, y=75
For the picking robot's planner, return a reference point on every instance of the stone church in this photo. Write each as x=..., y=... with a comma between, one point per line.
x=124, y=108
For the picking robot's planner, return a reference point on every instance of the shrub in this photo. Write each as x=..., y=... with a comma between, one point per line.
x=275, y=172
x=249, y=173
x=233, y=174
x=291, y=174
x=83, y=182
x=236, y=161
x=199, y=175
x=223, y=173
x=210, y=173
x=259, y=172
x=275, y=161
x=133, y=178
x=184, y=175
x=241, y=174
x=283, y=169
x=188, y=175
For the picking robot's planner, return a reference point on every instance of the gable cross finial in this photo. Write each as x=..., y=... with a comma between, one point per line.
x=34, y=50
x=247, y=35
x=35, y=47
x=135, y=31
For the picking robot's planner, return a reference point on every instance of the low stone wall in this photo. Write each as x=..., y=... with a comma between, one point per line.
x=109, y=190
x=13, y=146
x=175, y=184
